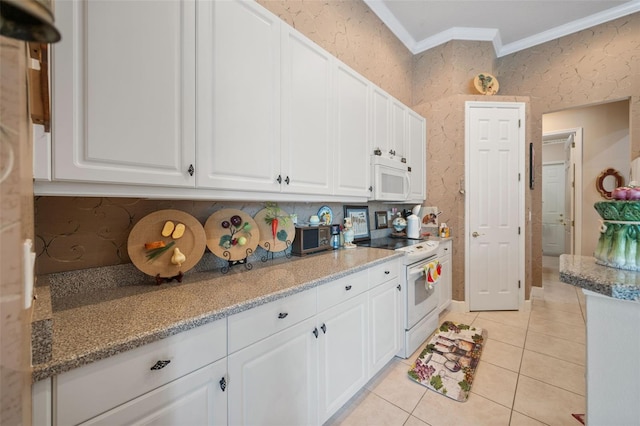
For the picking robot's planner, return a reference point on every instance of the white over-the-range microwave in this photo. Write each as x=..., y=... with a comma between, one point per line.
x=391, y=179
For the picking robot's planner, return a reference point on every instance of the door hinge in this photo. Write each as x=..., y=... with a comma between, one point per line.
x=518, y=283
x=573, y=223
x=518, y=177
x=519, y=124
x=573, y=144
x=518, y=230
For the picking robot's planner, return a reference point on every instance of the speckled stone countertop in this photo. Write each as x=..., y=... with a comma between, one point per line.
x=584, y=272
x=92, y=325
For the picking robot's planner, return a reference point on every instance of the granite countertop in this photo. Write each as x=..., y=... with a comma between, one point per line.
x=86, y=326
x=584, y=272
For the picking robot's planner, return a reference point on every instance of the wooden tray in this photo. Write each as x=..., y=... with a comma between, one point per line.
x=216, y=235
x=284, y=232
x=149, y=229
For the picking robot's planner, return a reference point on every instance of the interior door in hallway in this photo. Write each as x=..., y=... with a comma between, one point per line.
x=494, y=205
x=553, y=208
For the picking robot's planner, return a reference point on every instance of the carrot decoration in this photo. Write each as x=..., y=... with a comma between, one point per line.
x=274, y=227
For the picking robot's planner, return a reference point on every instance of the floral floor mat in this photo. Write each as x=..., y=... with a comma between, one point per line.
x=448, y=363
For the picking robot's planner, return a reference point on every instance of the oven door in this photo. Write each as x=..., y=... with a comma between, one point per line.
x=420, y=301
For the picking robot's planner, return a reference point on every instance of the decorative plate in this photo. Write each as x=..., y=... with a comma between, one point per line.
x=149, y=230
x=231, y=234
x=326, y=215
x=486, y=84
x=275, y=239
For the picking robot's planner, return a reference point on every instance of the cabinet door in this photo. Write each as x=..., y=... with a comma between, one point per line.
x=274, y=381
x=198, y=398
x=381, y=121
x=352, y=156
x=445, y=282
x=417, y=157
x=238, y=96
x=307, y=131
x=343, y=359
x=385, y=304
x=398, y=140
x=124, y=100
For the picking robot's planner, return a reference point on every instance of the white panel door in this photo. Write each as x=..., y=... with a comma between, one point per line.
x=307, y=131
x=274, y=381
x=352, y=157
x=493, y=211
x=124, y=99
x=238, y=96
x=553, y=208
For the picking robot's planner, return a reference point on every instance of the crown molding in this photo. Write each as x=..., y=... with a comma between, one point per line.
x=493, y=34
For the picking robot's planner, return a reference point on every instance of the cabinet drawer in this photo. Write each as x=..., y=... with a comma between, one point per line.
x=255, y=324
x=93, y=389
x=341, y=289
x=384, y=272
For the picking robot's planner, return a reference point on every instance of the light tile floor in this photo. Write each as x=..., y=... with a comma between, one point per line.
x=531, y=371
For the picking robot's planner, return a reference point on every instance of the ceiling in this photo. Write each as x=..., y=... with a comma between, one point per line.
x=511, y=25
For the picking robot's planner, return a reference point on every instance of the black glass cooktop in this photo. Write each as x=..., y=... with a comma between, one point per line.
x=389, y=243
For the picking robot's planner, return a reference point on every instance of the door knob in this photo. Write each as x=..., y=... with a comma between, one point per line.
x=475, y=234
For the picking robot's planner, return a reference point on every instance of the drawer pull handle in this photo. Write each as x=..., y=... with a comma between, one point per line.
x=387, y=272
x=347, y=287
x=282, y=315
x=160, y=365
x=223, y=384
x=324, y=328
x=315, y=332
x=399, y=288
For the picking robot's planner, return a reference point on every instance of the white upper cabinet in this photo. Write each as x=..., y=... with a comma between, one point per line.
x=307, y=125
x=417, y=161
x=123, y=92
x=388, y=125
x=398, y=141
x=352, y=156
x=238, y=102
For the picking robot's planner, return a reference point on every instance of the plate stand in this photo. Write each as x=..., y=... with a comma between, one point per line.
x=161, y=280
x=231, y=263
x=287, y=254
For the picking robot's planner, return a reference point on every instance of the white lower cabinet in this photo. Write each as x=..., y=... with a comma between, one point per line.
x=385, y=311
x=445, y=283
x=199, y=398
x=343, y=359
x=273, y=381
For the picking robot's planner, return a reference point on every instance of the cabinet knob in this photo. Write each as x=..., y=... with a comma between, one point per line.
x=315, y=332
x=286, y=180
x=279, y=179
x=371, y=189
x=191, y=170
x=223, y=384
x=399, y=287
x=387, y=272
x=160, y=365
x=404, y=160
x=324, y=328
x=282, y=315
x=347, y=287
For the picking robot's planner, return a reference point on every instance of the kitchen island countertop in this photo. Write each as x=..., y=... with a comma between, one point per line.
x=104, y=320
x=584, y=272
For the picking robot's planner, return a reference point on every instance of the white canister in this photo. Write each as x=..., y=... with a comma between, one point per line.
x=413, y=227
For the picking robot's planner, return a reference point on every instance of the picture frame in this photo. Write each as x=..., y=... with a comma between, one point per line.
x=381, y=220
x=360, y=219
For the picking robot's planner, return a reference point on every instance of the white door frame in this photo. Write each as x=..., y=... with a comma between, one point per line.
x=576, y=166
x=521, y=198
